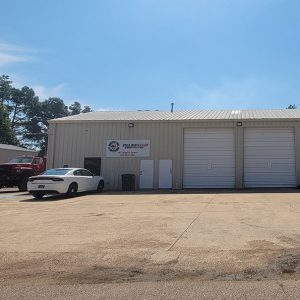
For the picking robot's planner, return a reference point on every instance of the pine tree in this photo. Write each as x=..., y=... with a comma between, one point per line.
x=7, y=135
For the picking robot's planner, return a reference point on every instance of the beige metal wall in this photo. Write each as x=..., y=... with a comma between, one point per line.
x=70, y=142
x=6, y=155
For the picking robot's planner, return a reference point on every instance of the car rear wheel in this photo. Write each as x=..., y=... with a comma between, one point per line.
x=38, y=195
x=72, y=190
x=100, y=186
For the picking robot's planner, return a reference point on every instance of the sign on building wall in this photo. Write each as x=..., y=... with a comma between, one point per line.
x=128, y=148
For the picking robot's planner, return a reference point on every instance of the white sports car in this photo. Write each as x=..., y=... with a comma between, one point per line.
x=67, y=181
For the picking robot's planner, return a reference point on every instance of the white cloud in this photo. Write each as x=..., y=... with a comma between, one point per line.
x=108, y=109
x=12, y=54
x=40, y=90
x=15, y=48
x=6, y=58
x=45, y=92
x=243, y=93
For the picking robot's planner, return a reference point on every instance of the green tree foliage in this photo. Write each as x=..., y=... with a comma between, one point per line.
x=86, y=109
x=7, y=134
x=24, y=116
x=292, y=106
x=53, y=108
x=75, y=108
x=36, y=129
x=21, y=103
x=5, y=89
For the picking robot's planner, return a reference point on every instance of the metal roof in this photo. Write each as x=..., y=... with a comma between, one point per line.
x=183, y=115
x=16, y=148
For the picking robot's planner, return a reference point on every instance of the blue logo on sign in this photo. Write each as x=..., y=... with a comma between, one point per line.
x=113, y=146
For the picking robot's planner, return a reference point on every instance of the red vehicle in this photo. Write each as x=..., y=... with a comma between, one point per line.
x=19, y=169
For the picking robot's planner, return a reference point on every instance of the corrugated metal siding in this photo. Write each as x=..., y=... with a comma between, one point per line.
x=269, y=157
x=73, y=142
x=69, y=143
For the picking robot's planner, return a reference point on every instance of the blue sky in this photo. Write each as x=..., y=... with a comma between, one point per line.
x=145, y=54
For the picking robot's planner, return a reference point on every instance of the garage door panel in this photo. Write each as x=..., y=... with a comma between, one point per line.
x=264, y=161
x=263, y=173
x=209, y=134
x=209, y=183
x=271, y=137
x=269, y=144
x=205, y=151
x=196, y=166
x=269, y=153
x=209, y=159
x=210, y=180
x=205, y=148
x=269, y=157
x=216, y=173
x=270, y=183
x=209, y=146
x=277, y=168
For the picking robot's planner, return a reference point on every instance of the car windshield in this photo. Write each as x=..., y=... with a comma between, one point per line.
x=57, y=172
x=21, y=160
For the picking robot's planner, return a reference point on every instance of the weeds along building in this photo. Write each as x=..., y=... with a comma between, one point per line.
x=183, y=149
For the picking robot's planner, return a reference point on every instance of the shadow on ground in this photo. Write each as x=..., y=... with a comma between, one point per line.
x=9, y=191
x=50, y=198
x=205, y=191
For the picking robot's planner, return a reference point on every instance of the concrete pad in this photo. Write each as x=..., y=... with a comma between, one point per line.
x=155, y=290
x=141, y=239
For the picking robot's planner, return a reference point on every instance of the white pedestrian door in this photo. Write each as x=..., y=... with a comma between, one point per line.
x=146, y=174
x=165, y=174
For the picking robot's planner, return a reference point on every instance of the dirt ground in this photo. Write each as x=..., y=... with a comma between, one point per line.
x=123, y=238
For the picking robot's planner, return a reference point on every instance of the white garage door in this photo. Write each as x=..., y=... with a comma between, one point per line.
x=209, y=158
x=269, y=157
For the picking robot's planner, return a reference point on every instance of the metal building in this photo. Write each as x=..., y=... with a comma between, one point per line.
x=183, y=149
x=7, y=152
